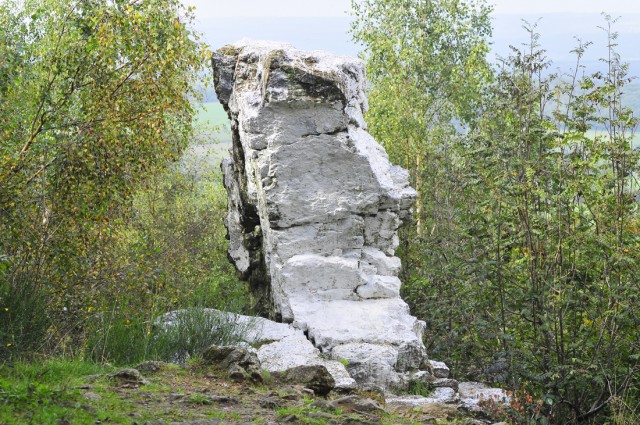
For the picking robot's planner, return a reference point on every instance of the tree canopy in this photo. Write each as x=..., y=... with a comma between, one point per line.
x=95, y=97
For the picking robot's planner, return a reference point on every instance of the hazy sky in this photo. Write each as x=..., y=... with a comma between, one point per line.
x=207, y=9
x=324, y=25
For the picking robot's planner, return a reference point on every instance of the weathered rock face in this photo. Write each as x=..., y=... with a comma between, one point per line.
x=315, y=204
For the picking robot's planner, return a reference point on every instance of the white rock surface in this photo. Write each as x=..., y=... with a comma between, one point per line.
x=440, y=369
x=315, y=205
x=473, y=393
x=296, y=350
x=280, y=346
x=441, y=395
x=468, y=397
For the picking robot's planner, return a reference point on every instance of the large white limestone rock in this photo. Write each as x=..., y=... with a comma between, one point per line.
x=315, y=205
x=279, y=346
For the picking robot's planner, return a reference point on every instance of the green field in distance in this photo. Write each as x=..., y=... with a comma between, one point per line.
x=212, y=113
x=213, y=122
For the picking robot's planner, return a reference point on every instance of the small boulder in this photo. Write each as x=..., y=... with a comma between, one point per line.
x=315, y=377
x=129, y=376
x=445, y=383
x=440, y=369
x=239, y=362
x=150, y=366
x=355, y=403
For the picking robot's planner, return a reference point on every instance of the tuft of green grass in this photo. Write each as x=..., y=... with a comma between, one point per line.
x=127, y=341
x=197, y=398
x=24, y=319
x=302, y=415
x=420, y=388
x=194, y=329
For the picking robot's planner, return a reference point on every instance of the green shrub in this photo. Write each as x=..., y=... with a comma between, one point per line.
x=168, y=254
x=120, y=338
x=126, y=340
x=188, y=332
x=24, y=321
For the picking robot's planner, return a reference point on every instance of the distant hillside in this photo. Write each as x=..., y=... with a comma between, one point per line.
x=559, y=34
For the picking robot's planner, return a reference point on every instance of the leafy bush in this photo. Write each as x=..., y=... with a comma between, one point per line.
x=92, y=108
x=174, y=243
x=523, y=258
x=24, y=319
x=169, y=254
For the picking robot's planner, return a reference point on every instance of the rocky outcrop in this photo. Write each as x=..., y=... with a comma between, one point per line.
x=314, y=377
x=240, y=363
x=286, y=353
x=315, y=204
x=281, y=347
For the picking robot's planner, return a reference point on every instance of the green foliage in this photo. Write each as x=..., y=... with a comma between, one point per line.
x=524, y=258
x=426, y=61
x=560, y=231
x=192, y=330
x=169, y=254
x=420, y=388
x=96, y=214
x=174, y=245
x=96, y=97
x=24, y=320
x=126, y=339
x=122, y=338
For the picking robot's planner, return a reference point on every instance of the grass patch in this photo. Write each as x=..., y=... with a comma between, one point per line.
x=200, y=399
x=64, y=392
x=81, y=392
x=47, y=393
x=24, y=319
x=420, y=388
x=302, y=415
x=213, y=122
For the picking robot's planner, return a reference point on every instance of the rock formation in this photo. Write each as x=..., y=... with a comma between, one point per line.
x=315, y=205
